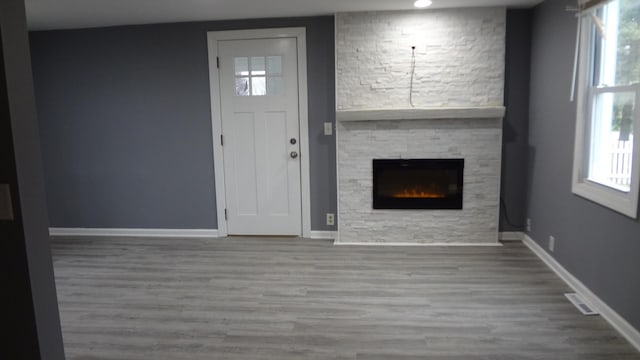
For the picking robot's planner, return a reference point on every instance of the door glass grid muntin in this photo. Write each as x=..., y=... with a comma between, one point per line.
x=258, y=75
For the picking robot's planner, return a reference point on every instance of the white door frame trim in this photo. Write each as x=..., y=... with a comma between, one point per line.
x=216, y=119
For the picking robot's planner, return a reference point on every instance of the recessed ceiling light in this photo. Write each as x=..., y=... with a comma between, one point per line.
x=422, y=3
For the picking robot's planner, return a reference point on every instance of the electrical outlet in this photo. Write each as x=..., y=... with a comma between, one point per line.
x=328, y=128
x=528, y=225
x=552, y=243
x=330, y=219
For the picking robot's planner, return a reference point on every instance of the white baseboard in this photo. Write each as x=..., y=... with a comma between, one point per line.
x=323, y=234
x=411, y=244
x=179, y=233
x=184, y=233
x=620, y=324
x=511, y=236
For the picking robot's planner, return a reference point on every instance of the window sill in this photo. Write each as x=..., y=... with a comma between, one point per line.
x=625, y=203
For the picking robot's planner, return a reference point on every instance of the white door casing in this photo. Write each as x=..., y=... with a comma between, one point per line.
x=264, y=189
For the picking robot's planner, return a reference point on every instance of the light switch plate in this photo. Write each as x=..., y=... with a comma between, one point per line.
x=328, y=128
x=6, y=208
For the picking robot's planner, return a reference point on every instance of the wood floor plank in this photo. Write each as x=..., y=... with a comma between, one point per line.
x=288, y=298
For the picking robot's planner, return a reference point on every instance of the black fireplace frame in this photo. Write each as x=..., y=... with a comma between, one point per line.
x=453, y=202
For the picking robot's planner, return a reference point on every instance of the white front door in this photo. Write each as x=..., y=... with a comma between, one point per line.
x=261, y=136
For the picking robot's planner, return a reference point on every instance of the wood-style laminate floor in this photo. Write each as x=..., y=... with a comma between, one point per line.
x=289, y=298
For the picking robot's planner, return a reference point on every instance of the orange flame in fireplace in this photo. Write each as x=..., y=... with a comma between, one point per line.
x=418, y=194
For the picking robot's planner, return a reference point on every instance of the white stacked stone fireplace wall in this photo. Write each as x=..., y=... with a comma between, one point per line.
x=459, y=58
x=459, y=62
x=473, y=140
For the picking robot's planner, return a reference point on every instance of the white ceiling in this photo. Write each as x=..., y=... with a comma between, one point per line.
x=64, y=14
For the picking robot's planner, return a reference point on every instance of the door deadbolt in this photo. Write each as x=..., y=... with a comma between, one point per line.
x=293, y=141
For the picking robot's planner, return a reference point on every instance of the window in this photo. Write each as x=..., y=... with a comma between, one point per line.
x=607, y=159
x=258, y=75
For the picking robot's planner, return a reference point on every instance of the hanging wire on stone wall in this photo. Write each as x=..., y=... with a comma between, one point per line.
x=413, y=70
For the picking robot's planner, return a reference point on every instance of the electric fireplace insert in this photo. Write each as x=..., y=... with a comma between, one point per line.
x=417, y=183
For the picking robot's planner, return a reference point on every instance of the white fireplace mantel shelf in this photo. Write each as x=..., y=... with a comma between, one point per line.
x=483, y=112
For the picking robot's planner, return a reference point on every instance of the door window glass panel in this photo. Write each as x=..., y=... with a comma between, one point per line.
x=241, y=65
x=274, y=65
x=242, y=86
x=275, y=85
x=258, y=76
x=257, y=66
x=258, y=86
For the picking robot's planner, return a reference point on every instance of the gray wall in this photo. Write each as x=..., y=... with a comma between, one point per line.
x=126, y=123
x=597, y=245
x=30, y=309
x=516, y=120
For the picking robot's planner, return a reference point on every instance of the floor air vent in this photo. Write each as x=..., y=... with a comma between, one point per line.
x=577, y=301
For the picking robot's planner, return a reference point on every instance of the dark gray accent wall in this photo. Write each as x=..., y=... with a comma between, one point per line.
x=516, y=120
x=30, y=308
x=126, y=123
x=597, y=245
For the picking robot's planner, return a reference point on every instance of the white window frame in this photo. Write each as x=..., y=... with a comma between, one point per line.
x=624, y=202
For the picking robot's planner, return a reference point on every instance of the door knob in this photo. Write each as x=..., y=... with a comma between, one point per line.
x=294, y=154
